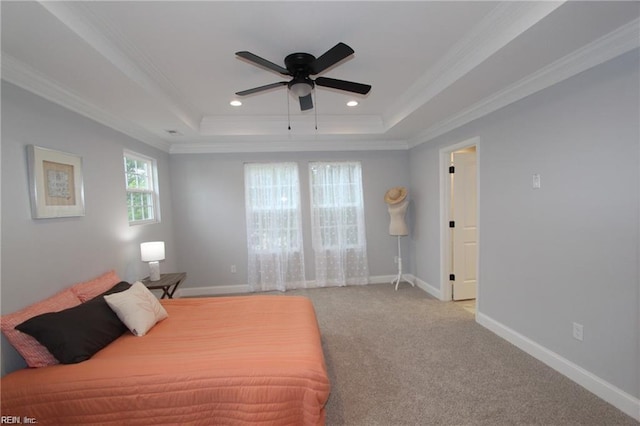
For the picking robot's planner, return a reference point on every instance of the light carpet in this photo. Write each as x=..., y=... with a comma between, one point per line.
x=405, y=358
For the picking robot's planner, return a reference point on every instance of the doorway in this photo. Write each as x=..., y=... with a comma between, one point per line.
x=459, y=220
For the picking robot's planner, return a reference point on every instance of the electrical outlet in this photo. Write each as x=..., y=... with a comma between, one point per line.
x=233, y=269
x=395, y=259
x=578, y=331
x=536, y=181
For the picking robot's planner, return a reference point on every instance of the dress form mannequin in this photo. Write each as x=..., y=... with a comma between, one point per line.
x=397, y=226
x=397, y=207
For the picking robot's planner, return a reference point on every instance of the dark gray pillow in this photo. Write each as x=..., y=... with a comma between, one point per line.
x=76, y=334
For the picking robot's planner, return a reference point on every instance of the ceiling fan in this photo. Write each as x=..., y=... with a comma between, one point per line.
x=301, y=66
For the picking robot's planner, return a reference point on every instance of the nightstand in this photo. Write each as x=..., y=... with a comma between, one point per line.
x=168, y=283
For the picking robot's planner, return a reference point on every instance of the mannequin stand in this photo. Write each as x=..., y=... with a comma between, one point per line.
x=400, y=276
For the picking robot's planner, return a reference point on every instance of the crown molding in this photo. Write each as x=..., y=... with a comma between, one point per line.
x=296, y=125
x=21, y=75
x=502, y=25
x=616, y=43
x=298, y=144
x=103, y=37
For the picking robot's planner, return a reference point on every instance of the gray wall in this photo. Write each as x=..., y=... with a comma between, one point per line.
x=41, y=257
x=568, y=251
x=210, y=215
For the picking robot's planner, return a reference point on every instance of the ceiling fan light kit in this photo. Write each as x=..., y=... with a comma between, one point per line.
x=301, y=66
x=300, y=87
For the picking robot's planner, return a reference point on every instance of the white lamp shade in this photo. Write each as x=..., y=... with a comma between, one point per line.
x=301, y=89
x=152, y=251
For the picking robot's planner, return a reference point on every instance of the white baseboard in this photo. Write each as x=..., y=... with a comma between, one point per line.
x=382, y=279
x=245, y=288
x=213, y=290
x=435, y=292
x=626, y=403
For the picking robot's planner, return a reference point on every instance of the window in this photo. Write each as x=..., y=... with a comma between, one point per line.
x=142, y=190
x=273, y=204
x=337, y=205
x=274, y=226
x=338, y=228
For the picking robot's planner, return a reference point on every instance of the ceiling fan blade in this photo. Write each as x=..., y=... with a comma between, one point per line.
x=261, y=88
x=349, y=86
x=306, y=103
x=262, y=62
x=331, y=57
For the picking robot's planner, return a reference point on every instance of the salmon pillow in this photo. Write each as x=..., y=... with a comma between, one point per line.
x=89, y=289
x=35, y=354
x=74, y=335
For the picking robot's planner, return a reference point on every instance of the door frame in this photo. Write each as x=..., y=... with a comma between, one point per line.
x=446, y=293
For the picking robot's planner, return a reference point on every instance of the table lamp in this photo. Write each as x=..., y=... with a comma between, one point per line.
x=153, y=252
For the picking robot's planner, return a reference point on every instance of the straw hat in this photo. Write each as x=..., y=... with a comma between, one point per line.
x=395, y=195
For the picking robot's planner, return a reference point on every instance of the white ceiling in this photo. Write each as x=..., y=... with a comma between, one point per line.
x=147, y=67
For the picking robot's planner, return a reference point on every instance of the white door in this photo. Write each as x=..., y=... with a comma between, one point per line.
x=465, y=247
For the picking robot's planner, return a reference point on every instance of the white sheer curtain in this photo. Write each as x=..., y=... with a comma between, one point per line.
x=274, y=229
x=337, y=217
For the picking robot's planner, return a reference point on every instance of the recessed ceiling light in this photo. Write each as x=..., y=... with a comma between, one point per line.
x=352, y=103
x=235, y=103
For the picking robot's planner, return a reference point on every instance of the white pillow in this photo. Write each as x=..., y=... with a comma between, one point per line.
x=137, y=308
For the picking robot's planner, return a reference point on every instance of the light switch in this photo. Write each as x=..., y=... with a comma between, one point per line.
x=536, y=181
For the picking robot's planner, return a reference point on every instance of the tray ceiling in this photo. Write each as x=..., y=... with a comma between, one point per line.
x=165, y=72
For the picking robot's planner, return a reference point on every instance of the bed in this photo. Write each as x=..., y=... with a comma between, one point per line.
x=228, y=360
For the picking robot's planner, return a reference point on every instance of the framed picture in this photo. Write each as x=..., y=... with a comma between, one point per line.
x=55, y=183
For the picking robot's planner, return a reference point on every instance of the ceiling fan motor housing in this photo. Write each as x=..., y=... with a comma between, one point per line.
x=299, y=63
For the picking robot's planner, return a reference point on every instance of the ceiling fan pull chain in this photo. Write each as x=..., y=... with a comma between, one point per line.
x=315, y=110
x=288, y=112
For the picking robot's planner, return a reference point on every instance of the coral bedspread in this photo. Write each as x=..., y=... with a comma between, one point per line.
x=230, y=360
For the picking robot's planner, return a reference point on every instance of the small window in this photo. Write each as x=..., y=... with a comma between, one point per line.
x=142, y=189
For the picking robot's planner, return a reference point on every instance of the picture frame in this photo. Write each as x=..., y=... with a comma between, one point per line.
x=56, y=186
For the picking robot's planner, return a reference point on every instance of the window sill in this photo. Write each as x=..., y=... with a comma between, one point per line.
x=143, y=222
